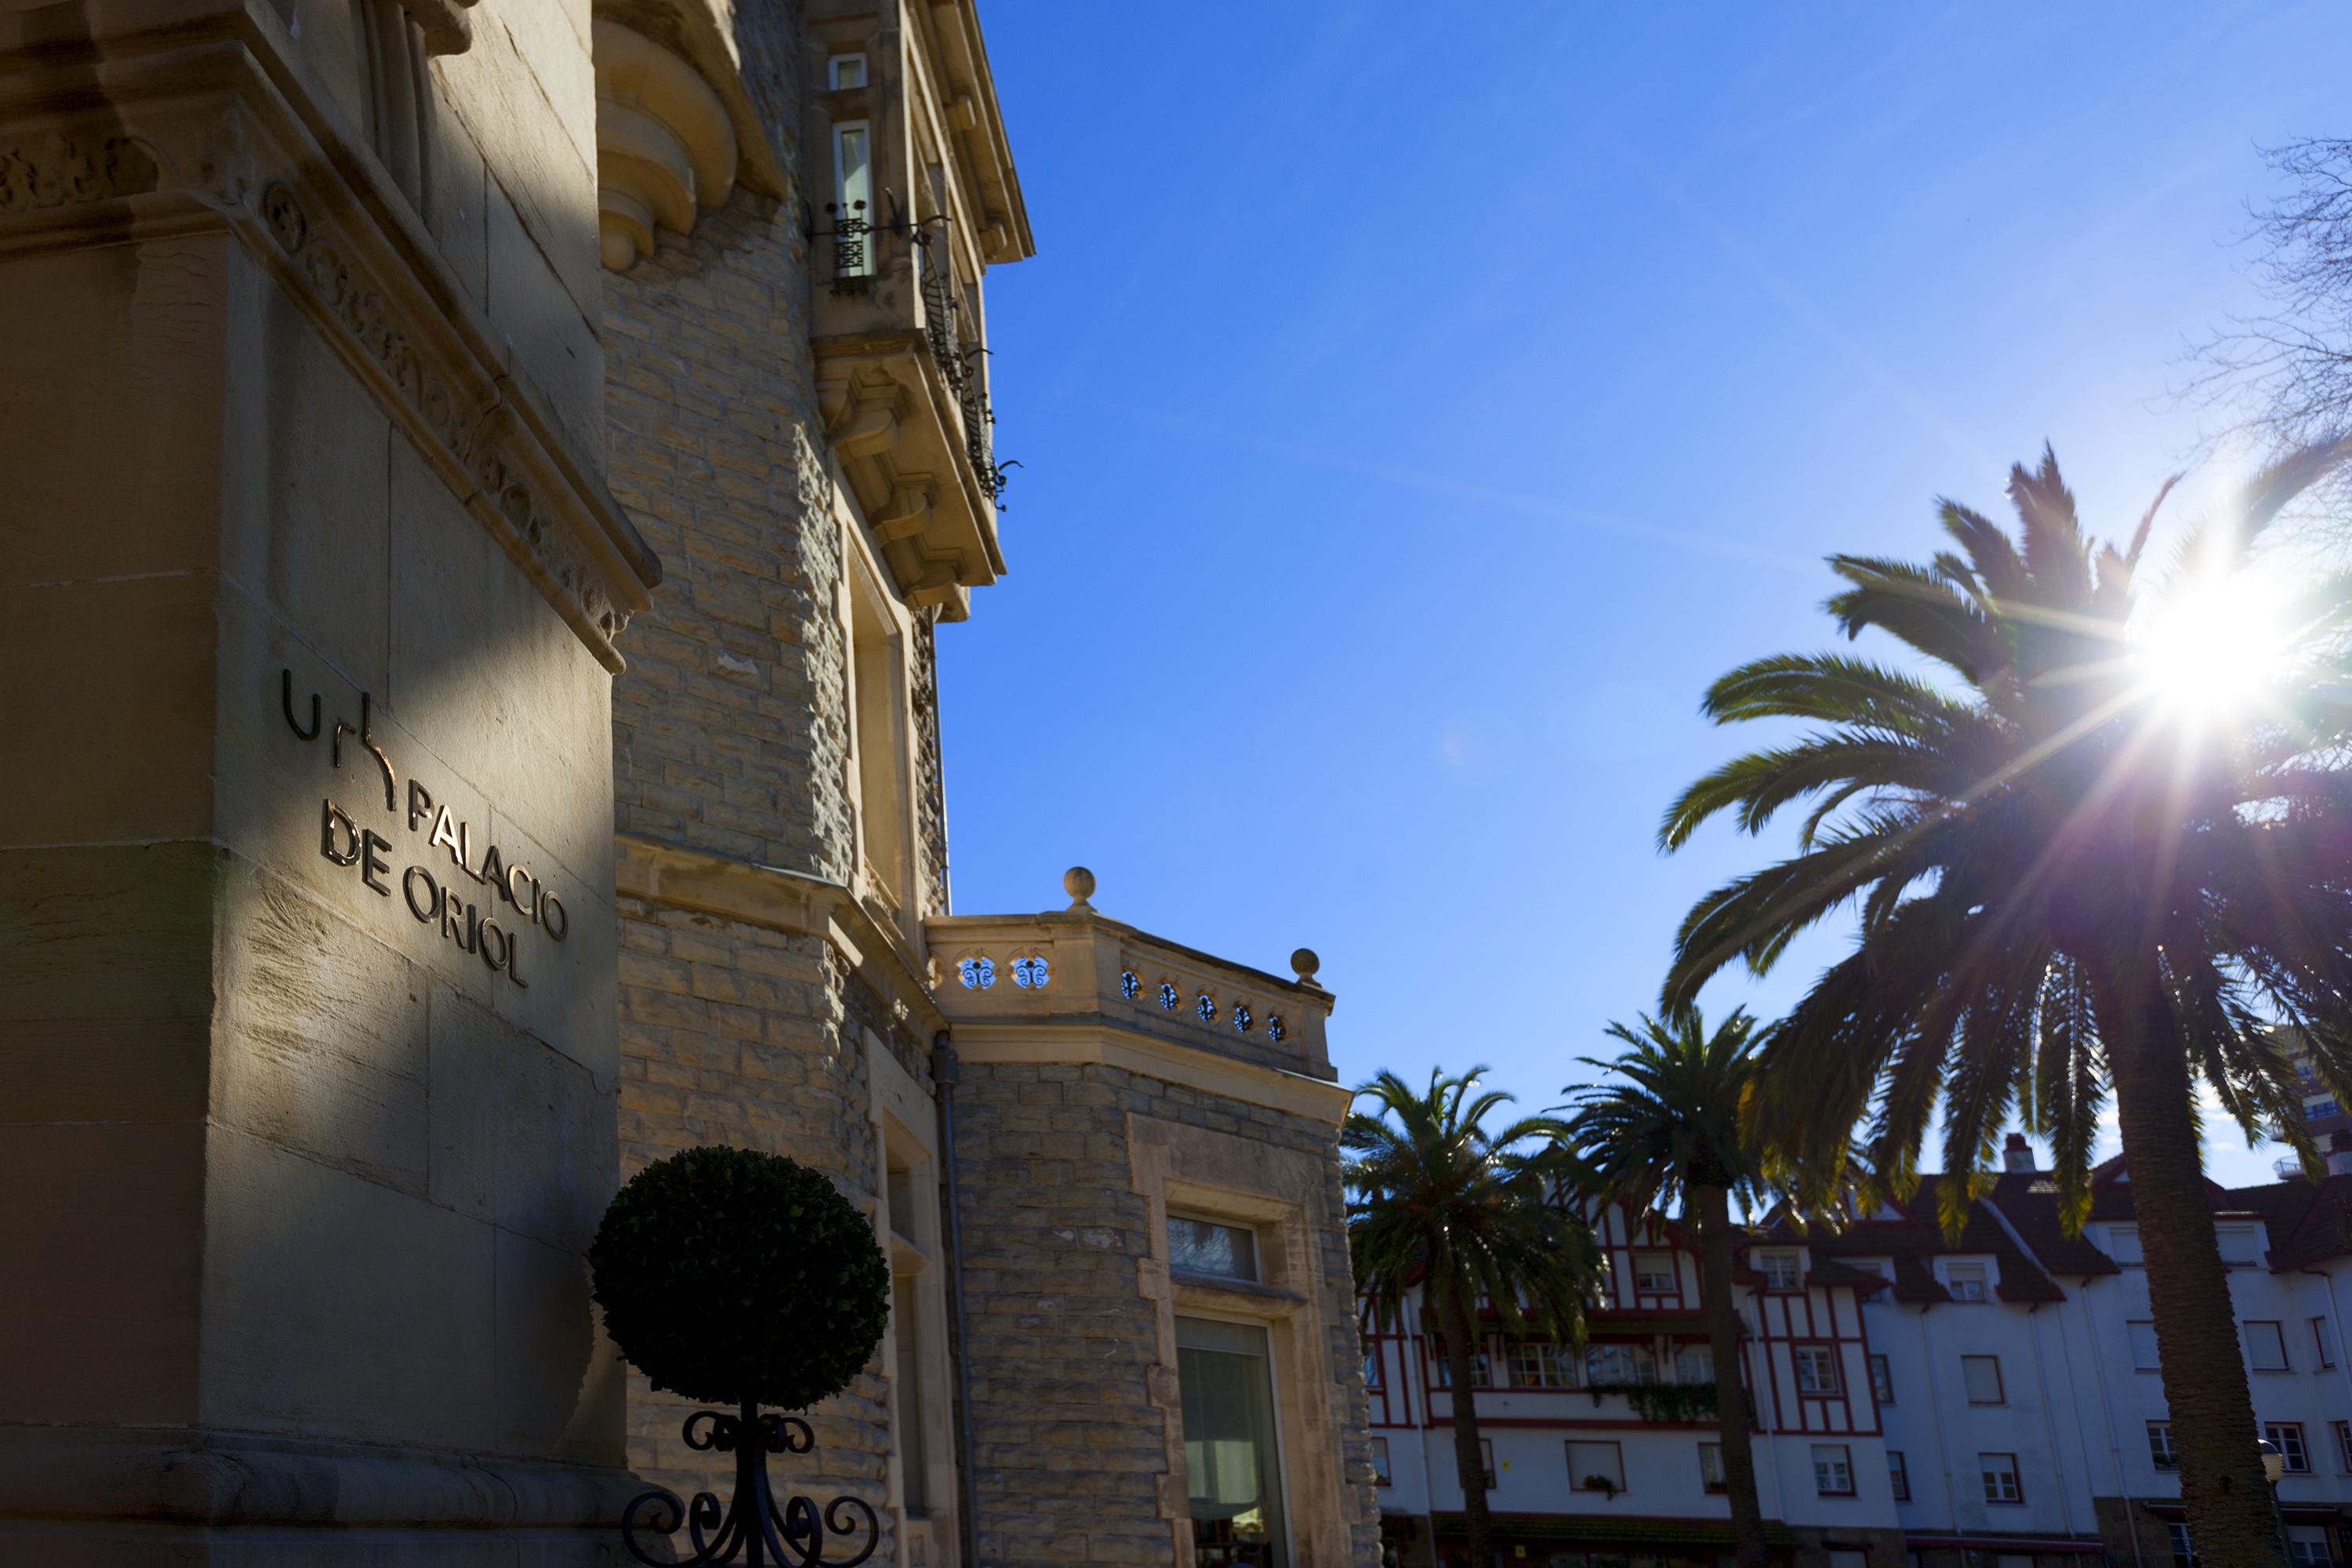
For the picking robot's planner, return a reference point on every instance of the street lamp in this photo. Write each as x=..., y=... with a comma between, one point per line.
x=2274, y=1468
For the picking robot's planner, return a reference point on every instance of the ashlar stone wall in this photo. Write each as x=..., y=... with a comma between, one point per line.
x=1067, y=1173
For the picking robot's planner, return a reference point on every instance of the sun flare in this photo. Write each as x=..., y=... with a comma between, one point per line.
x=2215, y=645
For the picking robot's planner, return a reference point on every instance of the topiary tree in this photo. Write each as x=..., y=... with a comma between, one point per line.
x=737, y=1277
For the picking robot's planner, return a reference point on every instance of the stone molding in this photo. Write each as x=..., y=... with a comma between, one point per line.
x=781, y=900
x=225, y=1479
x=206, y=121
x=46, y=168
x=666, y=146
x=897, y=434
x=1073, y=1042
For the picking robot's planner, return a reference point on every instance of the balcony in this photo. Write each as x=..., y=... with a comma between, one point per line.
x=1043, y=986
x=902, y=387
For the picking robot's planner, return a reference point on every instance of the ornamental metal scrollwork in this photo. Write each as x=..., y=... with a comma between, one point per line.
x=750, y=1526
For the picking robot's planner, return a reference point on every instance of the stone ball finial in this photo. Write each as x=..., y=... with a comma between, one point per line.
x=1079, y=883
x=1306, y=963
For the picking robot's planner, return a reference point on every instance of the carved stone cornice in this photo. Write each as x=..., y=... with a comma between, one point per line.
x=898, y=433
x=205, y=120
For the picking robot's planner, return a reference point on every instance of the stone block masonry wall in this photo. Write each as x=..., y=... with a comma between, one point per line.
x=731, y=1032
x=732, y=736
x=731, y=728
x=1071, y=1404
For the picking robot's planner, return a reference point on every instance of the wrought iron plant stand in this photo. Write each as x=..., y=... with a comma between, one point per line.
x=750, y=1526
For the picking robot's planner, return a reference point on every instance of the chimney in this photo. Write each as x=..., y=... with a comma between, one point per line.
x=2018, y=1154
x=2339, y=1154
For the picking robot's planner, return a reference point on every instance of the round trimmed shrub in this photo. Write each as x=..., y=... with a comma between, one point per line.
x=726, y=1275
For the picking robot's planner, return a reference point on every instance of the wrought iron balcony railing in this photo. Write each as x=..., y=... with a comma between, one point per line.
x=862, y=251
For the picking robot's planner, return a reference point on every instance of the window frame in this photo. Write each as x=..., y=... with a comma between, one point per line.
x=1799, y=1355
x=1765, y=1261
x=833, y=64
x=1617, y=1452
x=1898, y=1475
x=1978, y=1273
x=2160, y=1451
x=1257, y=1275
x=1881, y=1377
x=2222, y=1234
x=2319, y=1344
x=2277, y=1335
x=1379, y=1453
x=1847, y=1462
x=1673, y=1286
x=2343, y=1431
x=1486, y=1457
x=1986, y=1477
x=1566, y=1366
x=2184, y=1549
x=2155, y=1355
x=1718, y=1484
x=2294, y=1452
x=1999, y=1384
x=2117, y=1235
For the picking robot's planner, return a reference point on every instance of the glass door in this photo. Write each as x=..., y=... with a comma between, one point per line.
x=1226, y=1374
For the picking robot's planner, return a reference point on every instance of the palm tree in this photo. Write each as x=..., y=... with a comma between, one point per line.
x=1667, y=1137
x=2068, y=880
x=1465, y=1213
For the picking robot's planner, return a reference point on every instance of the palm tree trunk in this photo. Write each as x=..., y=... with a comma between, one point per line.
x=1711, y=1208
x=1468, y=1462
x=2231, y=1517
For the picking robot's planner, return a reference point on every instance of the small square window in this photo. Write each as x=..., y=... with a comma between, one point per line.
x=2265, y=1346
x=2123, y=1244
x=1211, y=1249
x=1596, y=1467
x=1710, y=1467
x=1833, y=1469
x=2241, y=1245
x=1881, y=1380
x=1653, y=1273
x=1816, y=1369
x=1380, y=1462
x=2143, y=1344
x=1898, y=1475
x=2286, y=1436
x=2159, y=1445
x=843, y=72
x=1965, y=1281
x=1998, y=1472
x=1981, y=1376
x=1781, y=1271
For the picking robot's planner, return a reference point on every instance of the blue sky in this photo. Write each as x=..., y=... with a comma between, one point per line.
x=1418, y=405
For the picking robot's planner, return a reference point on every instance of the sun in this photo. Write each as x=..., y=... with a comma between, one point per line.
x=2216, y=644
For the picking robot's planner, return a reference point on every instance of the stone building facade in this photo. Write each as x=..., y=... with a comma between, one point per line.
x=488, y=483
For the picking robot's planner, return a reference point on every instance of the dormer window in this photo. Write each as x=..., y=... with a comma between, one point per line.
x=1781, y=1271
x=1966, y=1281
x=844, y=72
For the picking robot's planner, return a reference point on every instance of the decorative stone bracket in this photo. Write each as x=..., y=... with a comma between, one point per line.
x=666, y=149
x=447, y=30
